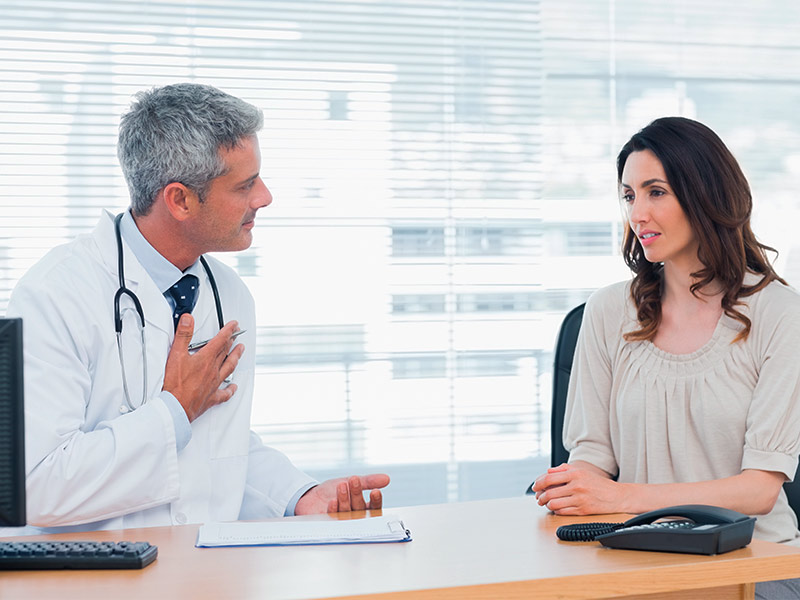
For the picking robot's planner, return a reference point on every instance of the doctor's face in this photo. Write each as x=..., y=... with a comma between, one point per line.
x=226, y=217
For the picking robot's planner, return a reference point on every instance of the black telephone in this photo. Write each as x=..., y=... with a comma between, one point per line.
x=691, y=528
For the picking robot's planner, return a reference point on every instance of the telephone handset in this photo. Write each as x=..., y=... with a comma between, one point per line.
x=691, y=528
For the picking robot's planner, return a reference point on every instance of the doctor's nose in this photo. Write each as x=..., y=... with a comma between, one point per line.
x=263, y=196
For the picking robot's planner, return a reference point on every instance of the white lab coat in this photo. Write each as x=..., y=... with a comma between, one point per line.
x=90, y=465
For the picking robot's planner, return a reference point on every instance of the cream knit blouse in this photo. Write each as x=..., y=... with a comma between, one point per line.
x=652, y=417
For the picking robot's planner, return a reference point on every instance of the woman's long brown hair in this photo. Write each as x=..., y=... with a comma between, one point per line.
x=715, y=196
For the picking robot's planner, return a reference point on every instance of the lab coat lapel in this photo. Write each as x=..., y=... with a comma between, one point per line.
x=157, y=312
x=205, y=313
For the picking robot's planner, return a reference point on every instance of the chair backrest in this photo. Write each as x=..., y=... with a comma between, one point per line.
x=566, y=341
x=562, y=368
x=792, y=489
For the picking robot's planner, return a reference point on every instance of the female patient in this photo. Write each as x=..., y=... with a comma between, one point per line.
x=686, y=381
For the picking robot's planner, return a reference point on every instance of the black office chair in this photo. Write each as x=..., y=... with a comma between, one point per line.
x=562, y=368
x=792, y=489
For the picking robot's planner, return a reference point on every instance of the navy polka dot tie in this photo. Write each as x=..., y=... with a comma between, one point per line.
x=184, y=292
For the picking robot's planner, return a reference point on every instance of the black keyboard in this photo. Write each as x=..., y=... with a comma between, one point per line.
x=75, y=555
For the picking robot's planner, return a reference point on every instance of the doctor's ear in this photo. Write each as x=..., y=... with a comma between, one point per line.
x=179, y=200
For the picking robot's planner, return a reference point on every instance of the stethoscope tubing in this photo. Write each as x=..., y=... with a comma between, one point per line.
x=123, y=290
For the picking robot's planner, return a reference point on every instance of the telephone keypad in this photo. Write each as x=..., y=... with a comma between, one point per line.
x=664, y=525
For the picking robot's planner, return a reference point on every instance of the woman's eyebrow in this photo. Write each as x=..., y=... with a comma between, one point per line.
x=645, y=183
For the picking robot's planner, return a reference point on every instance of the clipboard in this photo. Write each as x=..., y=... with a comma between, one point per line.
x=290, y=532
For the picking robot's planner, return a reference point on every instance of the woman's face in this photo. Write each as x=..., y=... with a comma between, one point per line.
x=654, y=214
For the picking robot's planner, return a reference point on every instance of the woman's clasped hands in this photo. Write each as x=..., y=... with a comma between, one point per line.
x=580, y=489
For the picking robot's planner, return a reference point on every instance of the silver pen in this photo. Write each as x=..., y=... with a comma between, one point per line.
x=197, y=345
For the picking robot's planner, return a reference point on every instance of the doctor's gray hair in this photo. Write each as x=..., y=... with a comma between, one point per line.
x=175, y=133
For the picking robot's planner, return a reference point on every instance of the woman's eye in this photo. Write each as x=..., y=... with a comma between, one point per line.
x=657, y=192
x=627, y=198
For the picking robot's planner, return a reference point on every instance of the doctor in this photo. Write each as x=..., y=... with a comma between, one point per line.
x=126, y=426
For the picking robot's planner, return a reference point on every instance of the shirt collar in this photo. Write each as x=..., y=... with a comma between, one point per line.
x=163, y=273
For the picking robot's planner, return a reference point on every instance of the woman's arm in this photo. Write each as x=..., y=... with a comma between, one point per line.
x=581, y=488
x=587, y=414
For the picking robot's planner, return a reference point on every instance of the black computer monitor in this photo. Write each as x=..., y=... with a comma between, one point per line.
x=12, y=425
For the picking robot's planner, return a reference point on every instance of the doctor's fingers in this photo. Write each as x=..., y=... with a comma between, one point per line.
x=375, y=500
x=183, y=332
x=356, y=494
x=358, y=485
x=221, y=343
x=374, y=480
x=222, y=395
x=230, y=362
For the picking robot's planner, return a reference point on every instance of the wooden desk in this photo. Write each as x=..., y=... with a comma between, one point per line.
x=475, y=550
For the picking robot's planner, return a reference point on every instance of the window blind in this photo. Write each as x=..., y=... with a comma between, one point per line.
x=444, y=185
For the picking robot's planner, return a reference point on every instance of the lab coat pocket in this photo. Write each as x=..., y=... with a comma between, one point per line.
x=230, y=422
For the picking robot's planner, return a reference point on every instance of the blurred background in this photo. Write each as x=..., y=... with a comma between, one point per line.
x=444, y=190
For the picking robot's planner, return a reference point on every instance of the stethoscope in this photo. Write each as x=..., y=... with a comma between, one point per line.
x=124, y=291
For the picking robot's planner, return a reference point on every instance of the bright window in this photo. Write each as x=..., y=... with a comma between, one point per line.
x=443, y=175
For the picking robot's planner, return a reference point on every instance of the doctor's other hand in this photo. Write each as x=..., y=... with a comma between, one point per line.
x=343, y=495
x=195, y=379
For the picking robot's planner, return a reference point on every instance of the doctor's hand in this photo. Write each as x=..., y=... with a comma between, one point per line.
x=195, y=379
x=343, y=495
